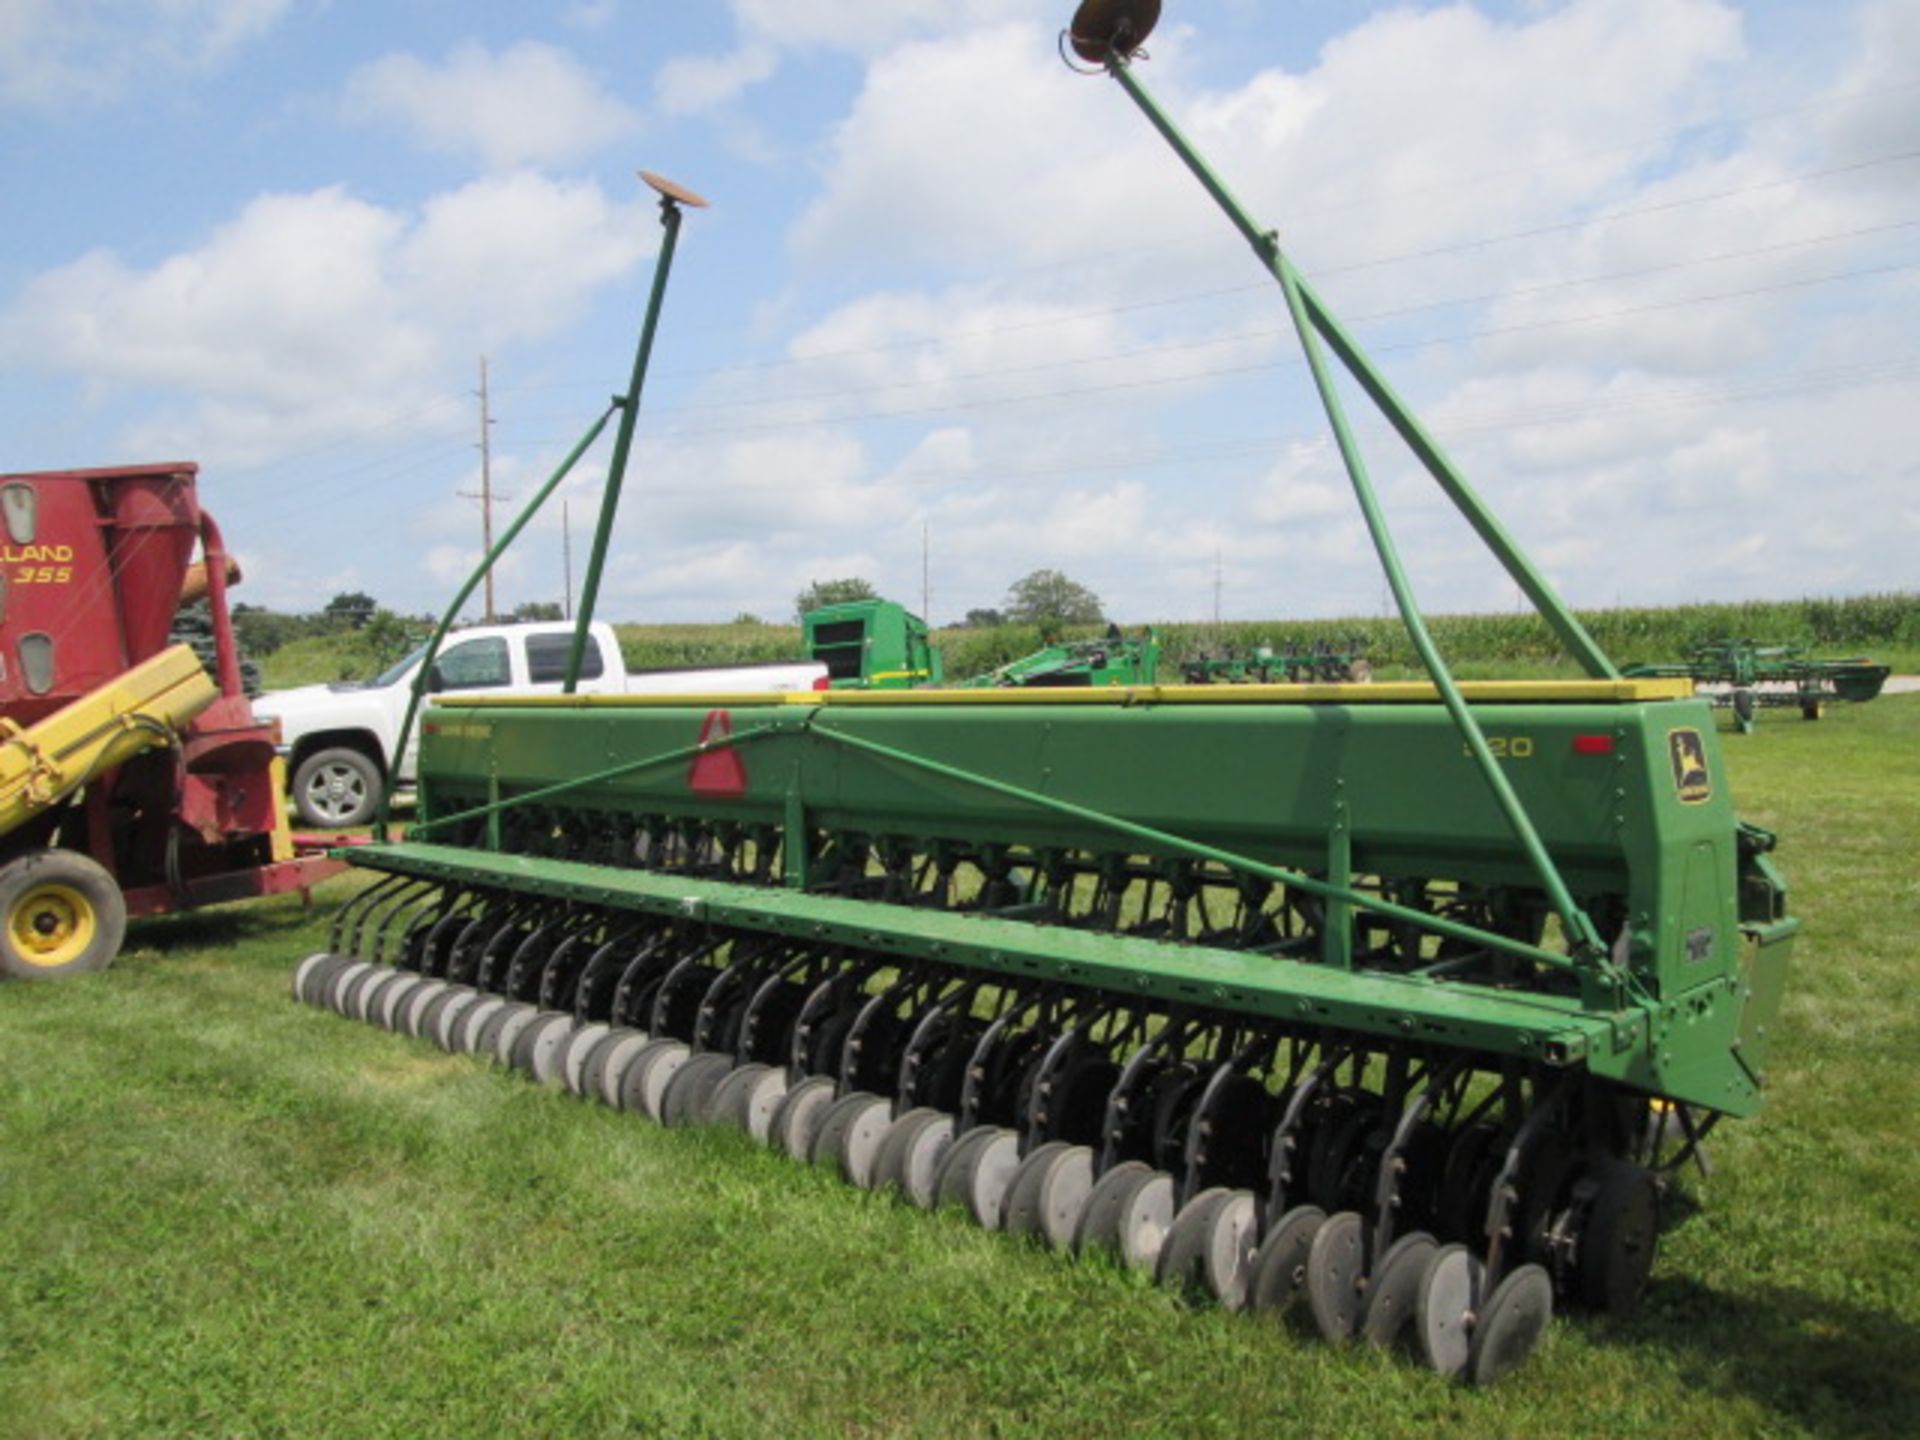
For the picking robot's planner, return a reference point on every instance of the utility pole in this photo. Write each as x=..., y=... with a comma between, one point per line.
x=486, y=497
x=566, y=555
x=926, y=603
x=1216, y=588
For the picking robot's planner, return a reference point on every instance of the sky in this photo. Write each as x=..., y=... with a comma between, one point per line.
x=1646, y=268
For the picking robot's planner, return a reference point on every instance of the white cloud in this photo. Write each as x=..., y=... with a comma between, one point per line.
x=689, y=84
x=590, y=14
x=530, y=104
x=322, y=314
x=864, y=29
x=60, y=53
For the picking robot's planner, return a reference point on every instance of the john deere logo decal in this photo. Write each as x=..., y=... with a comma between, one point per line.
x=1689, y=755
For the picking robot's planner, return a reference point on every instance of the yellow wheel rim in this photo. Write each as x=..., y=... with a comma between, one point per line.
x=52, y=925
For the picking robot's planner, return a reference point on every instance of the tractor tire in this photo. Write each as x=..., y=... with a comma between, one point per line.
x=61, y=914
x=336, y=788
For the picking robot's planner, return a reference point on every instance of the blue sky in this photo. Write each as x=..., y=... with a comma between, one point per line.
x=1646, y=266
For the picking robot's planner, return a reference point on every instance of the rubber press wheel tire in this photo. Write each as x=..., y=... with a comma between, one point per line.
x=337, y=787
x=60, y=914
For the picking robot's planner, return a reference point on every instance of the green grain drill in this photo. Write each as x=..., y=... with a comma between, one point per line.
x=1392, y=1005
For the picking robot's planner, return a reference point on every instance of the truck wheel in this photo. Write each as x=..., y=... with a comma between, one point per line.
x=335, y=788
x=61, y=913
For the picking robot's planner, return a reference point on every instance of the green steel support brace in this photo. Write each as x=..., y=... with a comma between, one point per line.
x=511, y=534
x=1308, y=315
x=623, y=441
x=794, y=841
x=1336, y=936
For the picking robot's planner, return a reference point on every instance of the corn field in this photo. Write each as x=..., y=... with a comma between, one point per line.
x=1884, y=626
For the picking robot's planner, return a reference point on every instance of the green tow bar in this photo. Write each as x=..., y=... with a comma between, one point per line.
x=1315, y=324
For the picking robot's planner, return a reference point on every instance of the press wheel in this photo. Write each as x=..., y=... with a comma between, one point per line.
x=333, y=994
x=1445, y=1305
x=303, y=970
x=451, y=1014
x=753, y=1111
x=948, y=1183
x=573, y=1060
x=990, y=1176
x=406, y=1019
x=799, y=1112
x=858, y=1147
x=1023, y=1195
x=426, y=1023
x=685, y=1100
x=903, y=1141
x=726, y=1107
x=647, y=1078
x=593, y=1068
x=978, y=1170
x=505, y=1029
x=1280, y=1264
x=1394, y=1287
x=1063, y=1194
x=824, y=1145
x=544, y=1045
x=1336, y=1272
x=466, y=1033
x=618, y=1052
x=1145, y=1217
x=371, y=999
x=1510, y=1324
x=1209, y=1247
x=1099, y=1224
x=1620, y=1238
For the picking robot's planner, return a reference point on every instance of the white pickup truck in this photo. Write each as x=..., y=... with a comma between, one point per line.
x=338, y=740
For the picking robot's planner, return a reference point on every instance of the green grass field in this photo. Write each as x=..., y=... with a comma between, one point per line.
x=229, y=1215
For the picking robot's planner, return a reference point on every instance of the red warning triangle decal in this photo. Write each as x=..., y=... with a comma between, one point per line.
x=717, y=772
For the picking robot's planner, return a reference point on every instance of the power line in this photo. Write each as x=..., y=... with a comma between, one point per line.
x=761, y=402
x=1217, y=372
x=1318, y=273
x=1218, y=450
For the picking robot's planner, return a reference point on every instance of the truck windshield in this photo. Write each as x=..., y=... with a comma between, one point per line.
x=399, y=667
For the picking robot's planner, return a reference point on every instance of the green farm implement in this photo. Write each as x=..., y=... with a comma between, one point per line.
x=1392, y=1005
x=871, y=645
x=1114, y=660
x=1747, y=675
x=1321, y=662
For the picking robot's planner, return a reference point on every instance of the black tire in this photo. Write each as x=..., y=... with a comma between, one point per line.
x=337, y=787
x=60, y=914
x=1744, y=706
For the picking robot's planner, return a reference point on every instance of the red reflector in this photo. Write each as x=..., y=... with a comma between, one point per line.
x=825, y=682
x=717, y=771
x=1593, y=744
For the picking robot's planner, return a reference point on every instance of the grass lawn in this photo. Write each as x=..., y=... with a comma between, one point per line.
x=229, y=1215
